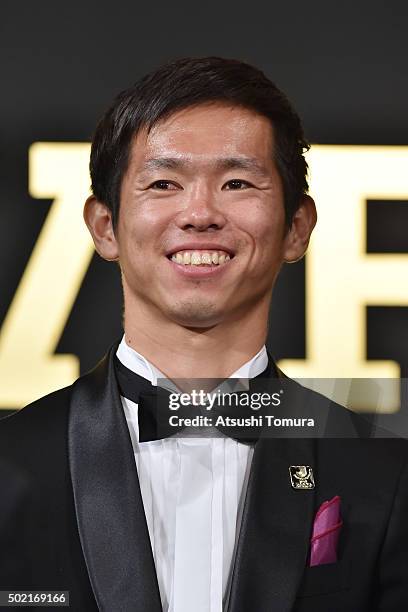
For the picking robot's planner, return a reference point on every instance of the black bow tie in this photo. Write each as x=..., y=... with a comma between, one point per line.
x=154, y=414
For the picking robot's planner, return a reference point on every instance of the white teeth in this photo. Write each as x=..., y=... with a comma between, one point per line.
x=197, y=258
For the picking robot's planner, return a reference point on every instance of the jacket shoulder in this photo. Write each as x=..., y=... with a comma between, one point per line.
x=42, y=421
x=47, y=406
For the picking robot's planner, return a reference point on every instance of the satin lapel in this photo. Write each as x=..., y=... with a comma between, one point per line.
x=109, y=508
x=276, y=525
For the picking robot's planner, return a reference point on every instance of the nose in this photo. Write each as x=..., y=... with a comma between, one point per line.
x=201, y=214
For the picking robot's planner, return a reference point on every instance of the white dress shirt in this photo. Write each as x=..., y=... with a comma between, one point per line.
x=193, y=491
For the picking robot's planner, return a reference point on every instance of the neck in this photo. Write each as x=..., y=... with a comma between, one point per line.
x=187, y=352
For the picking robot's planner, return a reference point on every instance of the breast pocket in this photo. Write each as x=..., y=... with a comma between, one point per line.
x=324, y=579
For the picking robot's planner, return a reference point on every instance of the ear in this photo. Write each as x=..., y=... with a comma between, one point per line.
x=98, y=218
x=297, y=239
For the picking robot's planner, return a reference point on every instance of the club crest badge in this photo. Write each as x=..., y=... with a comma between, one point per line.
x=301, y=477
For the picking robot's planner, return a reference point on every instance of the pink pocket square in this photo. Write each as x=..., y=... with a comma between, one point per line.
x=326, y=531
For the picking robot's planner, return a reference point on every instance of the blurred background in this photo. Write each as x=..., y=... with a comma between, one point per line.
x=341, y=311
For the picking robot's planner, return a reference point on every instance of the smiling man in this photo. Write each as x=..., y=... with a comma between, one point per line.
x=200, y=194
x=200, y=236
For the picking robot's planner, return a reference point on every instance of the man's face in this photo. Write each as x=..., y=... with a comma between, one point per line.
x=202, y=187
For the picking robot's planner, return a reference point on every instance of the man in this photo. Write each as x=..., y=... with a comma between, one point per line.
x=200, y=193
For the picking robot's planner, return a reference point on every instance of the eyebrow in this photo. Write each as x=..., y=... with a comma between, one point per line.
x=223, y=163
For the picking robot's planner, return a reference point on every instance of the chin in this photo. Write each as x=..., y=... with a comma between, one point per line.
x=196, y=313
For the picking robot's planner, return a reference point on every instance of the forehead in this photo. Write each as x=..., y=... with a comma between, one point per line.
x=205, y=133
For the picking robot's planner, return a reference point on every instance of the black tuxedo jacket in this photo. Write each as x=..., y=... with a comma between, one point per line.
x=72, y=515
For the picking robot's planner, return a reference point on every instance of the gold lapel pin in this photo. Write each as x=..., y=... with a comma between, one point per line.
x=301, y=477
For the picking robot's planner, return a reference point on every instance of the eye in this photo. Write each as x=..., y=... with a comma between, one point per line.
x=163, y=185
x=235, y=184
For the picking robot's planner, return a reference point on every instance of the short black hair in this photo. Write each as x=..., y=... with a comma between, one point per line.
x=189, y=82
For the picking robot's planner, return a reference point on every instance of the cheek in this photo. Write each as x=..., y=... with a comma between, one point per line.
x=271, y=240
x=140, y=241
x=263, y=223
x=135, y=225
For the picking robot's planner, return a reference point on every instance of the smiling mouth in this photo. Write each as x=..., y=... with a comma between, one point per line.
x=200, y=258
